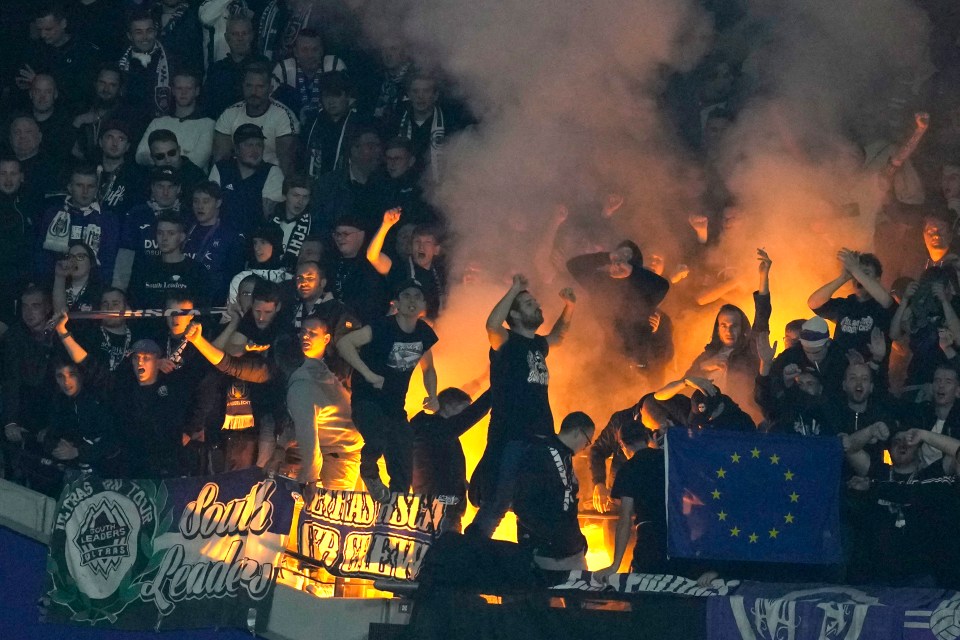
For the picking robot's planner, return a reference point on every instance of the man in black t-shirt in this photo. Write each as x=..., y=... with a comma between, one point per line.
x=869, y=307
x=383, y=355
x=520, y=405
x=153, y=279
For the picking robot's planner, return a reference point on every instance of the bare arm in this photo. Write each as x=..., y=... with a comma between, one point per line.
x=545, y=251
x=851, y=263
x=903, y=153
x=900, y=324
x=562, y=325
x=375, y=256
x=496, y=332
x=822, y=295
x=228, y=332
x=765, y=264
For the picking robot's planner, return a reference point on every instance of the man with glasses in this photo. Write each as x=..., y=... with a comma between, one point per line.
x=354, y=280
x=546, y=501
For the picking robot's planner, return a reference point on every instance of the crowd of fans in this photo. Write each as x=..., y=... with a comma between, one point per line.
x=263, y=156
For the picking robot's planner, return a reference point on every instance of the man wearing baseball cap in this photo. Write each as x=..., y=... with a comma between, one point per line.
x=138, y=235
x=252, y=188
x=383, y=355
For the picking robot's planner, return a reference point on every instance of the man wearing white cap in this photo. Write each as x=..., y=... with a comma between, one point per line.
x=817, y=352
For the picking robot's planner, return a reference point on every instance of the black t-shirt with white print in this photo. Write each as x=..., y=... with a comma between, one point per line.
x=393, y=354
x=855, y=320
x=520, y=405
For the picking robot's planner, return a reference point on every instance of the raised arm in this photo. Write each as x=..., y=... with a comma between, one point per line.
x=562, y=325
x=496, y=332
x=904, y=151
x=381, y=262
x=851, y=264
x=949, y=315
x=77, y=353
x=671, y=389
x=194, y=335
x=823, y=295
x=946, y=444
x=349, y=349
x=900, y=324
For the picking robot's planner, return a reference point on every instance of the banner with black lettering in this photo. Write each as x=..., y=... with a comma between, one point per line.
x=351, y=535
x=171, y=554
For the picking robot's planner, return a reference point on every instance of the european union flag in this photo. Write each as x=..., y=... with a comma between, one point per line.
x=753, y=496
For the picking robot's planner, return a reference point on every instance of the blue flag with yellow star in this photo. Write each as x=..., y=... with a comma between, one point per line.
x=753, y=496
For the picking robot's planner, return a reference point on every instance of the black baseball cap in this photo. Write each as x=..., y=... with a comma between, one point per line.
x=246, y=132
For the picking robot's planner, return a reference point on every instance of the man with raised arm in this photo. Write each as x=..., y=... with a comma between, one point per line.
x=858, y=314
x=520, y=405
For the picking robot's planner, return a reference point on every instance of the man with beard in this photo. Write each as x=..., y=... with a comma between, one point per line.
x=422, y=264
x=155, y=278
x=278, y=125
x=355, y=282
x=164, y=150
x=383, y=355
x=107, y=90
x=78, y=217
x=138, y=235
x=293, y=218
x=210, y=243
x=859, y=313
x=122, y=183
x=251, y=186
x=18, y=215
x=520, y=404
x=192, y=131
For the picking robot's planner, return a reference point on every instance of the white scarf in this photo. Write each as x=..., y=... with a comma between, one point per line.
x=437, y=134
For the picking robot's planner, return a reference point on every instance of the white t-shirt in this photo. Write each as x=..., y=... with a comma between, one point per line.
x=276, y=122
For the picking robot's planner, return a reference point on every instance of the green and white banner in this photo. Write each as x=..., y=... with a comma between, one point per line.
x=170, y=554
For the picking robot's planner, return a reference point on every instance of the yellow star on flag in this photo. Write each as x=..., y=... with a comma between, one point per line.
x=722, y=515
x=716, y=494
x=773, y=532
x=788, y=518
x=774, y=459
x=753, y=537
x=755, y=453
x=735, y=457
x=721, y=473
x=788, y=475
x=794, y=497
x=735, y=532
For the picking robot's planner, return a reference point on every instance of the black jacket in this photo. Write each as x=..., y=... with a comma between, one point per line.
x=439, y=467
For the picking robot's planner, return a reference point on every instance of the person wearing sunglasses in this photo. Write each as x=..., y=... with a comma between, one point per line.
x=161, y=148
